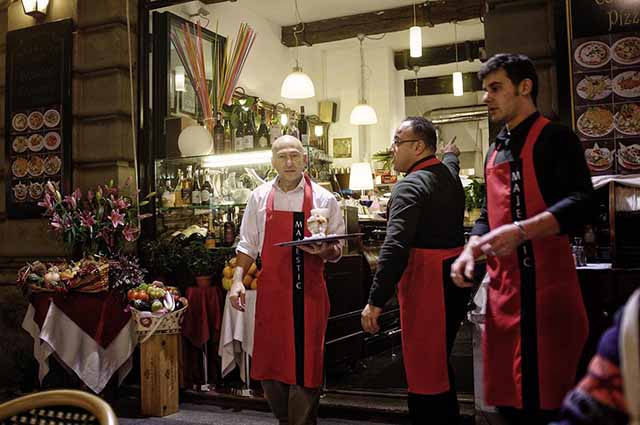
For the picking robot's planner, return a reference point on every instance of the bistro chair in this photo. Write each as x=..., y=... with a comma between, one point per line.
x=57, y=407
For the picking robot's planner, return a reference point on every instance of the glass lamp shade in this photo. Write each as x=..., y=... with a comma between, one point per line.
x=458, y=89
x=361, y=177
x=363, y=114
x=35, y=8
x=297, y=85
x=415, y=42
x=195, y=140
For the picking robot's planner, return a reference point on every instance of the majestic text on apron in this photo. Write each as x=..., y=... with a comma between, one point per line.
x=422, y=317
x=536, y=324
x=292, y=305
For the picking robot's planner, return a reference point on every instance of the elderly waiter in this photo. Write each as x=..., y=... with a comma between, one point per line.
x=424, y=235
x=292, y=302
x=538, y=189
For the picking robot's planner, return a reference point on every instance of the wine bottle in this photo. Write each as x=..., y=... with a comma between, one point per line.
x=178, y=190
x=239, y=144
x=210, y=241
x=196, y=198
x=249, y=132
x=218, y=135
x=263, y=133
x=275, y=129
x=303, y=128
x=187, y=187
x=228, y=136
x=205, y=193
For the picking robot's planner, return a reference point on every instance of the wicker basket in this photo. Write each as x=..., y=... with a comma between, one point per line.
x=148, y=325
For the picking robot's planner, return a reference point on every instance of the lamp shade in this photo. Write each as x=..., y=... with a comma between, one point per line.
x=458, y=89
x=363, y=114
x=195, y=140
x=415, y=42
x=297, y=85
x=361, y=177
x=35, y=8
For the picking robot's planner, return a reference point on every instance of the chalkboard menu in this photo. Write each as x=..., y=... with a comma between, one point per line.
x=605, y=74
x=38, y=118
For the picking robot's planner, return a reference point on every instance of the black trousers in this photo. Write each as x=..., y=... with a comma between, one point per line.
x=443, y=408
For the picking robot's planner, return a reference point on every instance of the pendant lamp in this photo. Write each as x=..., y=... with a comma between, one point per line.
x=297, y=85
x=458, y=88
x=415, y=38
x=362, y=114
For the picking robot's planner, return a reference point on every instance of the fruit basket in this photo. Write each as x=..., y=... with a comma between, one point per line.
x=88, y=275
x=156, y=309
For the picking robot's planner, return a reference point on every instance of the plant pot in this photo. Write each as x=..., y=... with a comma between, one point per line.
x=472, y=216
x=204, y=281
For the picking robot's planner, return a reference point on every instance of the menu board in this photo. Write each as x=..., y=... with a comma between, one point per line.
x=38, y=115
x=605, y=68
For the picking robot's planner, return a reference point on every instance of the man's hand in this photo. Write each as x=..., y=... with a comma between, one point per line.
x=501, y=241
x=462, y=268
x=451, y=148
x=237, y=291
x=325, y=250
x=369, y=318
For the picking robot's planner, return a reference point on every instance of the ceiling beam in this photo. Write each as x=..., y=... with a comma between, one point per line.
x=216, y=1
x=382, y=21
x=441, y=85
x=440, y=55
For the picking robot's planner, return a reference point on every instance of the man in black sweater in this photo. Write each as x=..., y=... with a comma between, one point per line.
x=424, y=235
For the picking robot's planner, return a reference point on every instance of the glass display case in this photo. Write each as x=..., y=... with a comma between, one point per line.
x=211, y=191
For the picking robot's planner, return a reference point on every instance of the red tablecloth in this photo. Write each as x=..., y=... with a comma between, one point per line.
x=200, y=326
x=101, y=315
x=203, y=317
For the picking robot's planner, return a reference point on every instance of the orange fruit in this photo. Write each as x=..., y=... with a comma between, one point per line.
x=227, y=272
x=253, y=269
x=254, y=284
x=247, y=280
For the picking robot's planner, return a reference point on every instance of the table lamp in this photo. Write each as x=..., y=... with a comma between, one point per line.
x=361, y=177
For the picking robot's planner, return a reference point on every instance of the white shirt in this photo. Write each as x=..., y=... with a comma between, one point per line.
x=253, y=222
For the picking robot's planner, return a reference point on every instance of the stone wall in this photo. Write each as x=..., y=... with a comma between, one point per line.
x=102, y=144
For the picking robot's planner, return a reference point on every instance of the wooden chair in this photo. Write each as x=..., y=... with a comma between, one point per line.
x=57, y=407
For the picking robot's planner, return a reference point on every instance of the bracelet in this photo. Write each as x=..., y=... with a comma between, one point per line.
x=521, y=229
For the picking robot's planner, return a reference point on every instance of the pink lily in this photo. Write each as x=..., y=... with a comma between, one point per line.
x=116, y=218
x=130, y=233
x=87, y=220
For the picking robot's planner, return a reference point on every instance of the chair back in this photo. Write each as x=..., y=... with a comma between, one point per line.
x=57, y=407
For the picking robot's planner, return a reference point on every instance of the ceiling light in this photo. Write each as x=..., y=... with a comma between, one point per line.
x=297, y=85
x=415, y=38
x=362, y=114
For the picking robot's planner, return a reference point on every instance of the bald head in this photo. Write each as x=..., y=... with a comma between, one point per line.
x=286, y=142
x=289, y=159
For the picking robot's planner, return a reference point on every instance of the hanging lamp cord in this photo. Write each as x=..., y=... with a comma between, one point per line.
x=455, y=38
x=361, y=38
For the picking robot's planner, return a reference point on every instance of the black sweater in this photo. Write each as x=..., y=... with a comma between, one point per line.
x=426, y=210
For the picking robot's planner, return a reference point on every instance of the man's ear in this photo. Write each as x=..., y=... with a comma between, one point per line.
x=525, y=87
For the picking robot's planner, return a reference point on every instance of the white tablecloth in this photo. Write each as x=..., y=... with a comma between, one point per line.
x=93, y=364
x=236, y=335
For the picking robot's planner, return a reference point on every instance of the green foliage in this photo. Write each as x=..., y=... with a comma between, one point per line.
x=201, y=261
x=385, y=157
x=474, y=193
x=162, y=257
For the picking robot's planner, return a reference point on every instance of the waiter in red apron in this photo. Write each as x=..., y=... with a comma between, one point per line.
x=292, y=305
x=538, y=190
x=424, y=236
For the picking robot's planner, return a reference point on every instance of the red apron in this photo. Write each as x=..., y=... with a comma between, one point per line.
x=292, y=305
x=422, y=317
x=536, y=324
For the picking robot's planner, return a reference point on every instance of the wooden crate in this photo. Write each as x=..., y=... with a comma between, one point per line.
x=159, y=362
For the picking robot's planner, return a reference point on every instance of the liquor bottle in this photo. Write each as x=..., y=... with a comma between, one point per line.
x=210, y=241
x=218, y=135
x=229, y=233
x=263, y=133
x=239, y=141
x=205, y=192
x=228, y=136
x=249, y=132
x=292, y=128
x=196, y=197
x=187, y=186
x=302, y=127
x=275, y=129
x=177, y=191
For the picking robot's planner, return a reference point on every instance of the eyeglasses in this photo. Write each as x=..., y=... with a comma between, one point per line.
x=398, y=142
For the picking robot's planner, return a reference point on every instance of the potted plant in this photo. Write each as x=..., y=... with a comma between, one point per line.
x=163, y=258
x=473, y=198
x=201, y=262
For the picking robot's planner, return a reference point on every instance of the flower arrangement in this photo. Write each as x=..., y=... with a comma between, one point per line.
x=125, y=273
x=96, y=223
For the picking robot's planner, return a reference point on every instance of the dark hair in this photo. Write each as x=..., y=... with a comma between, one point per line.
x=517, y=67
x=424, y=130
